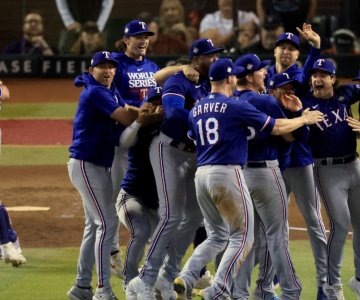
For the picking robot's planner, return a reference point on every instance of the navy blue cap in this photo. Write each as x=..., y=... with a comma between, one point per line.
x=281, y=79
x=102, y=57
x=153, y=92
x=223, y=68
x=251, y=63
x=324, y=65
x=290, y=38
x=136, y=27
x=203, y=47
x=356, y=78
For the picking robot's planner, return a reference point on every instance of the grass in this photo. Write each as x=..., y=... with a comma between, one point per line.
x=33, y=155
x=38, y=111
x=49, y=273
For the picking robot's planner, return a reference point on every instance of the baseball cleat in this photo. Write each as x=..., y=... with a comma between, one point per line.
x=104, y=293
x=204, y=281
x=11, y=255
x=355, y=286
x=117, y=265
x=334, y=291
x=76, y=293
x=321, y=295
x=182, y=290
x=141, y=289
x=165, y=288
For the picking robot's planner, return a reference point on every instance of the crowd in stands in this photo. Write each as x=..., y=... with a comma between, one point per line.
x=85, y=30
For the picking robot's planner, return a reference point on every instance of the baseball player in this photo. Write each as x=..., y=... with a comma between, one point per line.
x=172, y=157
x=337, y=169
x=286, y=54
x=137, y=207
x=134, y=76
x=100, y=115
x=267, y=190
x=219, y=123
x=296, y=163
x=10, y=250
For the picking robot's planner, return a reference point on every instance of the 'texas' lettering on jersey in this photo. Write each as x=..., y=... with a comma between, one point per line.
x=332, y=118
x=141, y=79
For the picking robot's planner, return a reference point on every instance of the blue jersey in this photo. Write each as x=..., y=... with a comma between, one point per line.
x=175, y=124
x=296, y=73
x=139, y=180
x=296, y=153
x=333, y=137
x=262, y=146
x=95, y=133
x=133, y=78
x=219, y=126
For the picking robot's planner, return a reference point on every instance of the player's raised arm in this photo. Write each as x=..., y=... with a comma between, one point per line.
x=189, y=72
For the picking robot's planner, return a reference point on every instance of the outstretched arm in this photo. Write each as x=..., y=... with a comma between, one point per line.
x=308, y=117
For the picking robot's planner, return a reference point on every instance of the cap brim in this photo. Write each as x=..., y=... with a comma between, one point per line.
x=320, y=69
x=287, y=41
x=114, y=62
x=149, y=33
x=293, y=82
x=265, y=63
x=215, y=50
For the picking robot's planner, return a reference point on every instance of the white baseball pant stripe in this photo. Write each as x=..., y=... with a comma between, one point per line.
x=179, y=212
x=227, y=208
x=94, y=185
x=339, y=189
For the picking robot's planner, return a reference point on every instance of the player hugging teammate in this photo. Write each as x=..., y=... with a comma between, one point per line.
x=260, y=133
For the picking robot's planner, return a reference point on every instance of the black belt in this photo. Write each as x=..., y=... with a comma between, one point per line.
x=256, y=164
x=183, y=146
x=339, y=160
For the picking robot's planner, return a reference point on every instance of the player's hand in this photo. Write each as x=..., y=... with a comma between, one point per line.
x=153, y=115
x=311, y=36
x=290, y=102
x=191, y=74
x=353, y=123
x=144, y=111
x=312, y=116
x=75, y=27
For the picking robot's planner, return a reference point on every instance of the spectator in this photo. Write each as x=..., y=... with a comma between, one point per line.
x=270, y=30
x=89, y=41
x=218, y=26
x=172, y=21
x=343, y=41
x=161, y=43
x=33, y=41
x=76, y=13
x=293, y=13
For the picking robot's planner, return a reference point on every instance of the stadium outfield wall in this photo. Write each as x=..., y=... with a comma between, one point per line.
x=70, y=66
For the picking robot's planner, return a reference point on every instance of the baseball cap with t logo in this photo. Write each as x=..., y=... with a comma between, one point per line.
x=136, y=27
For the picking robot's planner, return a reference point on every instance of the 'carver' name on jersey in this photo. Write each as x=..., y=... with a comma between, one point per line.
x=204, y=108
x=141, y=79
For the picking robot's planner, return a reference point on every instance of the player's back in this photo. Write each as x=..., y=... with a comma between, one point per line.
x=219, y=125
